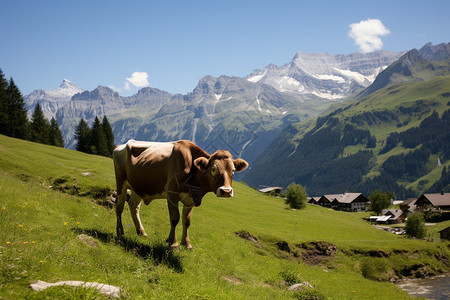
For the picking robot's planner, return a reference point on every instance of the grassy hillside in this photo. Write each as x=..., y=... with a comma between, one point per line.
x=54, y=229
x=346, y=149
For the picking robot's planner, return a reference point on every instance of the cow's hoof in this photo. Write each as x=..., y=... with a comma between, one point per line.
x=143, y=233
x=174, y=245
x=189, y=246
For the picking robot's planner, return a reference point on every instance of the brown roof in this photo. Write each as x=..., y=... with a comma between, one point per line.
x=437, y=199
x=343, y=198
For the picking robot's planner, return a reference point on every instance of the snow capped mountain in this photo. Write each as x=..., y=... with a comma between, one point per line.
x=51, y=101
x=323, y=75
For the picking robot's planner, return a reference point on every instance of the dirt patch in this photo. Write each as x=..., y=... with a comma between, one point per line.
x=315, y=252
x=247, y=236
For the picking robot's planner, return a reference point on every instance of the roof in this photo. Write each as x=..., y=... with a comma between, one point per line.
x=380, y=218
x=409, y=201
x=269, y=189
x=344, y=198
x=394, y=213
x=436, y=199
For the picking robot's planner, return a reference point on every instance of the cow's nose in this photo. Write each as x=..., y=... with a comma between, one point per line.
x=224, y=192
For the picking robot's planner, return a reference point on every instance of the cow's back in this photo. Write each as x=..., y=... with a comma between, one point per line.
x=147, y=166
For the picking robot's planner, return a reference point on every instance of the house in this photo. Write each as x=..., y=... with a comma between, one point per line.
x=274, y=189
x=352, y=202
x=445, y=233
x=345, y=202
x=408, y=206
x=325, y=201
x=380, y=219
x=433, y=201
x=396, y=215
x=313, y=200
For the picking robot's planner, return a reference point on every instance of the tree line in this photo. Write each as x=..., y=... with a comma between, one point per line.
x=14, y=121
x=97, y=140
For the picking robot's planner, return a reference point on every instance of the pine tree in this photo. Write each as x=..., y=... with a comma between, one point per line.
x=98, y=139
x=55, y=134
x=83, y=137
x=3, y=104
x=108, y=135
x=18, y=126
x=39, y=127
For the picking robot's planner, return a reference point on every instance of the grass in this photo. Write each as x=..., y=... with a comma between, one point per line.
x=52, y=236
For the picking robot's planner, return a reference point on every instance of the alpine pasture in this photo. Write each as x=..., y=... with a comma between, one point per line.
x=56, y=226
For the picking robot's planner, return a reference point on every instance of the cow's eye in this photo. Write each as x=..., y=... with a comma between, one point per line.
x=214, y=170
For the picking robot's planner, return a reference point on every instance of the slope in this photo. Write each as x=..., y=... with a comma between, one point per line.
x=51, y=236
x=346, y=148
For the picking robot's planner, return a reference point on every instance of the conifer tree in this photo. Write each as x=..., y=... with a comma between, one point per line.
x=98, y=139
x=39, y=126
x=108, y=135
x=55, y=134
x=18, y=126
x=83, y=137
x=3, y=103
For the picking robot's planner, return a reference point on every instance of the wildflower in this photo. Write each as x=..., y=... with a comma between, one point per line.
x=4, y=207
x=33, y=242
x=20, y=226
x=41, y=261
x=65, y=223
x=78, y=223
x=8, y=243
x=71, y=218
x=25, y=243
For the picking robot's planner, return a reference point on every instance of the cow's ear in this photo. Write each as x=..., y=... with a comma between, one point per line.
x=240, y=164
x=201, y=163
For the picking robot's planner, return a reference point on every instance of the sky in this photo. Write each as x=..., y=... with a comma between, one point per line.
x=171, y=45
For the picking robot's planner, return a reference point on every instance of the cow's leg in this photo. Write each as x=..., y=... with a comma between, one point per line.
x=174, y=214
x=121, y=197
x=135, y=204
x=186, y=218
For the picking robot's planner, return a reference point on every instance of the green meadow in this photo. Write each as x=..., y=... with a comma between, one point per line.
x=55, y=226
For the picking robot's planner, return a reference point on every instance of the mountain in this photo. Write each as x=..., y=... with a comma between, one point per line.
x=51, y=101
x=242, y=115
x=392, y=136
x=324, y=75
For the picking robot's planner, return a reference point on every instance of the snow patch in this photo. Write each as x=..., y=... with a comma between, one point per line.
x=330, y=77
x=257, y=78
x=218, y=96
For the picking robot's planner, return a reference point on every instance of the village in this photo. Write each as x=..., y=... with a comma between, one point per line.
x=436, y=204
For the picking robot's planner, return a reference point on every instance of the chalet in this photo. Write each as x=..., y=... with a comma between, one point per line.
x=325, y=201
x=313, y=200
x=345, y=202
x=408, y=206
x=274, y=189
x=433, y=201
x=396, y=215
x=352, y=202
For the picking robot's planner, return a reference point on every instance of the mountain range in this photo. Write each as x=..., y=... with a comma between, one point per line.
x=392, y=136
x=242, y=115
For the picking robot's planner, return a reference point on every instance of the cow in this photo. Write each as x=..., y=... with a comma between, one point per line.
x=179, y=171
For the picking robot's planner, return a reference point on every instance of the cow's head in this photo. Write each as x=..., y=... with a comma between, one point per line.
x=219, y=169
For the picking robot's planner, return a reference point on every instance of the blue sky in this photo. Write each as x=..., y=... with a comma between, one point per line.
x=170, y=45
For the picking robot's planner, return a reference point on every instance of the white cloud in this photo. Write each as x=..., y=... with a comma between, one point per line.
x=138, y=79
x=367, y=34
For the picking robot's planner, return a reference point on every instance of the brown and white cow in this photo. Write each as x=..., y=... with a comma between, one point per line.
x=178, y=171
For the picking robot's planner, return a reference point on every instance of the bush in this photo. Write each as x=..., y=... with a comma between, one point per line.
x=374, y=268
x=296, y=196
x=415, y=226
x=379, y=201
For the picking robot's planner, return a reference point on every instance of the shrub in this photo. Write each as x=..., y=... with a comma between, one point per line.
x=379, y=201
x=296, y=196
x=374, y=268
x=415, y=225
